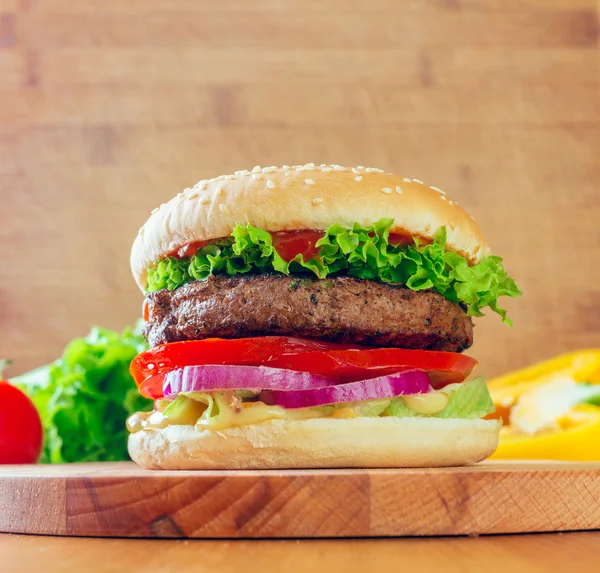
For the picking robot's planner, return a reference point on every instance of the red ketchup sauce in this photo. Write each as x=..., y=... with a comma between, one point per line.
x=145, y=310
x=189, y=250
x=289, y=244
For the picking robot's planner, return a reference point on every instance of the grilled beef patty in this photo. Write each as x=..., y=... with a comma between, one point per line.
x=341, y=309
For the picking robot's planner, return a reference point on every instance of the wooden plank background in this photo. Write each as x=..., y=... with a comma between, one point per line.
x=108, y=108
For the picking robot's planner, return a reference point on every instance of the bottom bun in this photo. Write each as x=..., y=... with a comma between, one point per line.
x=318, y=443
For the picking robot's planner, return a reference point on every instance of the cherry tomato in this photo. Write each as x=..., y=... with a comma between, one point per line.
x=21, y=433
x=345, y=362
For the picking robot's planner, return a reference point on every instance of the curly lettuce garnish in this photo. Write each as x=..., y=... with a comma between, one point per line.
x=361, y=252
x=85, y=396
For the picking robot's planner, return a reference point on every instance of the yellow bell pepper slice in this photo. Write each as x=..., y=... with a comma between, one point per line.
x=581, y=366
x=578, y=439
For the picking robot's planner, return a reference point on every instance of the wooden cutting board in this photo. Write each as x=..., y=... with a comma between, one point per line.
x=120, y=499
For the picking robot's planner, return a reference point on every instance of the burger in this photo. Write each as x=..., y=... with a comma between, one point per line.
x=313, y=316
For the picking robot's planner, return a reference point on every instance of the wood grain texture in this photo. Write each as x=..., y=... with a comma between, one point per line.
x=518, y=554
x=122, y=500
x=109, y=108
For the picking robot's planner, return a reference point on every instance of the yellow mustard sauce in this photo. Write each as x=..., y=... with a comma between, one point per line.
x=426, y=404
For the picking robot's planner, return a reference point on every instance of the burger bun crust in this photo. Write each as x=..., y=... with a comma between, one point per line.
x=378, y=442
x=298, y=198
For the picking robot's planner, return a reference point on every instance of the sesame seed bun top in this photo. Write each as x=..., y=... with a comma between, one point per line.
x=302, y=197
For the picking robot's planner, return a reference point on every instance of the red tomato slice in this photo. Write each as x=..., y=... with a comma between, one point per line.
x=345, y=362
x=443, y=367
x=147, y=367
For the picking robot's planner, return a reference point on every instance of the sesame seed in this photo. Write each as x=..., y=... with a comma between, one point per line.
x=442, y=197
x=256, y=169
x=239, y=172
x=309, y=181
x=269, y=169
x=222, y=208
x=230, y=177
x=438, y=190
x=359, y=178
x=355, y=170
x=270, y=184
x=285, y=167
x=221, y=177
x=339, y=168
x=317, y=201
x=327, y=169
x=257, y=176
x=245, y=172
x=450, y=202
x=288, y=173
x=369, y=170
x=309, y=166
x=418, y=181
x=192, y=195
x=407, y=180
x=323, y=165
x=155, y=210
x=361, y=167
x=472, y=217
x=398, y=189
x=296, y=166
x=386, y=190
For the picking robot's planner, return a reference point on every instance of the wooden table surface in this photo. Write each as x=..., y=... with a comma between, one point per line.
x=541, y=553
x=109, y=108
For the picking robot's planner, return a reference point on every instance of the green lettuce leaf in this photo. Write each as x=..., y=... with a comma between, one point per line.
x=362, y=252
x=85, y=396
x=468, y=400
